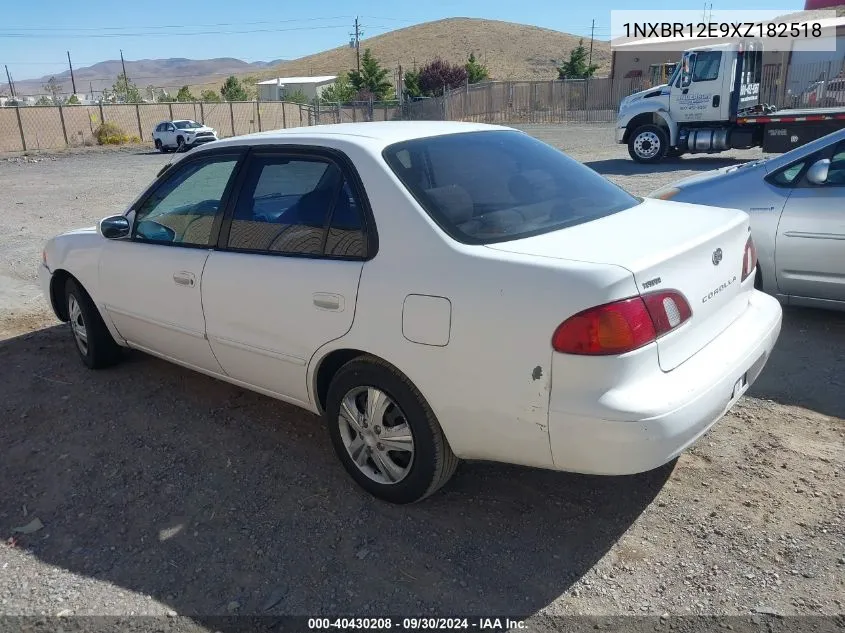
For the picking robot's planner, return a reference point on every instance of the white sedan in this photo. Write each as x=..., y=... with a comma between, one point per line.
x=436, y=291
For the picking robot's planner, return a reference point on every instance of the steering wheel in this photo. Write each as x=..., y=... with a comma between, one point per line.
x=151, y=230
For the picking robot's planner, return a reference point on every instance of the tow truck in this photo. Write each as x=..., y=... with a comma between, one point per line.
x=711, y=104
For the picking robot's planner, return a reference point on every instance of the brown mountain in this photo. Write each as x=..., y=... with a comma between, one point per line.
x=511, y=51
x=170, y=73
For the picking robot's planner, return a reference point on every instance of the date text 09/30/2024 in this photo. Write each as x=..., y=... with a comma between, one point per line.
x=414, y=624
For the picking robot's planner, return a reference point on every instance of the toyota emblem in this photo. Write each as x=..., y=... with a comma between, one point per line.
x=717, y=256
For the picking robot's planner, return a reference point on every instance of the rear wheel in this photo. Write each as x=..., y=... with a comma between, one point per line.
x=385, y=434
x=648, y=144
x=93, y=340
x=159, y=146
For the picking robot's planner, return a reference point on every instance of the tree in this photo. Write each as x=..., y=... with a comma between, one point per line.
x=72, y=100
x=412, y=84
x=248, y=84
x=53, y=88
x=42, y=101
x=297, y=96
x=439, y=74
x=341, y=91
x=372, y=78
x=576, y=67
x=184, y=94
x=124, y=90
x=476, y=71
x=232, y=90
x=209, y=96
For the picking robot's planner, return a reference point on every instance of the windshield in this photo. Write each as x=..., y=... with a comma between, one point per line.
x=675, y=72
x=186, y=125
x=485, y=187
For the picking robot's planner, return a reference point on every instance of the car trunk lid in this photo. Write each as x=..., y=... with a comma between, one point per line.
x=693, y=249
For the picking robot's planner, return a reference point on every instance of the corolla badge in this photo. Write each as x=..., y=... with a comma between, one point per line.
x=717, y=256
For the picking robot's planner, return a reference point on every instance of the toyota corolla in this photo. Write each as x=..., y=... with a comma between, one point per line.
x=435, y=291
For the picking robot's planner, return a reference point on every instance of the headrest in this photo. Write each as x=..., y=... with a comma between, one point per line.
x=453, y=201
x=532, y=185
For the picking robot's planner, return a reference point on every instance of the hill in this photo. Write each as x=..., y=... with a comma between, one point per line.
x=511, y=51
x=172, y=72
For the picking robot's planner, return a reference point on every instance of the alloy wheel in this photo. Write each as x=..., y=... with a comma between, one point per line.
x=376, y=435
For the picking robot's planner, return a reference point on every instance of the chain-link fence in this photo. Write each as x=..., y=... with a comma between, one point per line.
x=25, y=128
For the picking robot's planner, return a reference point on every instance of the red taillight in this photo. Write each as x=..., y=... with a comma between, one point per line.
x=749, y=259
x=622, y=326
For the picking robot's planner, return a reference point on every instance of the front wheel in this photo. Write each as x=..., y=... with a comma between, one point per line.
x=648, y=144
x=94, y=342
x=385, y=434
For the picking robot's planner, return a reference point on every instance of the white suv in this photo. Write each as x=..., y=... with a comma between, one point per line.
x=183, y=134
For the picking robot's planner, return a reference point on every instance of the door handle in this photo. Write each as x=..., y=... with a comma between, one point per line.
x=184, y=278
x=716, y=101
x=685, y=90
x=328, y=301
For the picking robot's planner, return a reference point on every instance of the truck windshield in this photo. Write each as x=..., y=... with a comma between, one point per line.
x=675, y=74
x=492, y=186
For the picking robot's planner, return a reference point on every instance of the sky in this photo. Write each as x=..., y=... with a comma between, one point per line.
x=35, y=35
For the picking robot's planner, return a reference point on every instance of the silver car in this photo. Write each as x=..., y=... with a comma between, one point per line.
x=797, y=206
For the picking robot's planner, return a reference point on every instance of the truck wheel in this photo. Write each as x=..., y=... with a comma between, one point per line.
x=648, y=144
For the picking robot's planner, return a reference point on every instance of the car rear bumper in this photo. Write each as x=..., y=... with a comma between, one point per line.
x=632, y=435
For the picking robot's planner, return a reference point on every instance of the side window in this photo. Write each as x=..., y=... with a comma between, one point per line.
x=183, y=208
x=789, y=175
x=706, y=66
x=285, y=206
x=346, y=235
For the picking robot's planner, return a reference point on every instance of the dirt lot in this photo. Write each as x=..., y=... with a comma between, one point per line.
x=162, y=490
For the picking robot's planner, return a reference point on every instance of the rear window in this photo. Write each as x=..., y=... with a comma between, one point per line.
x=486, y=187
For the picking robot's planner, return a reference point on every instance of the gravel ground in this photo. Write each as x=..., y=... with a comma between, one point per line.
x=163, y=491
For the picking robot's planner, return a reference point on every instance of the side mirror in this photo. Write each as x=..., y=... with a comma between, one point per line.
x=114, y=227
x=817, y=173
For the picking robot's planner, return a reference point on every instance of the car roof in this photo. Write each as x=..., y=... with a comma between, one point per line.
x=364, y=133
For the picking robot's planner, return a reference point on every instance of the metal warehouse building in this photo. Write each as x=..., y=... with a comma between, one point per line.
x=281, y=88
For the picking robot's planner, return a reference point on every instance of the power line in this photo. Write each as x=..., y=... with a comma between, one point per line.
x=138, y=34
x=169, y=26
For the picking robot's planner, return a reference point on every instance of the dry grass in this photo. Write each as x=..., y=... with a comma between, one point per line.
x=511, y=51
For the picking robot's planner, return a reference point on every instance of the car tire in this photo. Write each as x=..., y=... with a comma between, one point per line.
x=159, y=146
x=648, y=144
x=424, y=461
x=180, y=144
x=92, y=338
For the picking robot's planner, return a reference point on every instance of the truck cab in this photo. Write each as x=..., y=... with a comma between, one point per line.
x=696, y=110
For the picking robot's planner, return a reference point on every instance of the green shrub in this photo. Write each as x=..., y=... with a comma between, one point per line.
x=110, y=134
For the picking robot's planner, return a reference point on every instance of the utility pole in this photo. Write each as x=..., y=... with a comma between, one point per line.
x=592, y=31
x=72, y=80
x=125, y=78
x=355, y=42
x=11, y=85
x=401, y=86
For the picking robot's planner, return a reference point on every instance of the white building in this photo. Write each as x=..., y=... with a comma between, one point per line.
x=281, y=88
